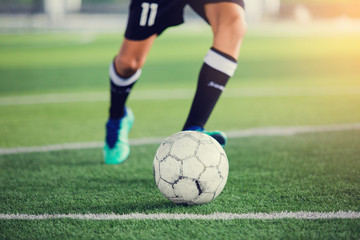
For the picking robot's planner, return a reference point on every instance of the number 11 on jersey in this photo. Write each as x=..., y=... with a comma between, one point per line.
x=147, y=19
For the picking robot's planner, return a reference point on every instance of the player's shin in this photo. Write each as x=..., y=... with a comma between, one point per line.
x=218, y=67
x=120, y=89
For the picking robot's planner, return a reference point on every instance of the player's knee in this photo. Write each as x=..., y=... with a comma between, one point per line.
x=237, y=27
x=231, y=31
x=128, y=66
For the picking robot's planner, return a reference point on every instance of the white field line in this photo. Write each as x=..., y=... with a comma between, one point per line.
x=184, y=216
x=263, y=131
x=178, y=94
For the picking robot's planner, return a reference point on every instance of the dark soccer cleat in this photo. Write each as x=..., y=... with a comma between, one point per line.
x=117, y=147
x=219, y=136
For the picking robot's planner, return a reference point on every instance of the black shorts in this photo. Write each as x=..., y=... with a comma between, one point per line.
x=148, y=17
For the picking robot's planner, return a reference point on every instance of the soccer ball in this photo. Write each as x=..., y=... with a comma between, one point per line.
x=190, y=168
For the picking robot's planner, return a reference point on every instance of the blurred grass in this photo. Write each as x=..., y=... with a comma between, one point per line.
x=43, y=124
x=61, y=62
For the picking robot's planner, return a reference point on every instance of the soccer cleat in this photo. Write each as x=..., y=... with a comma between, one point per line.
x=219, y=136
x=117, y=147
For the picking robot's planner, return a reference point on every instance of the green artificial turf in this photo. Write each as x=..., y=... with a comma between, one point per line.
x=281, y=81
x=186, y=229
x=307, y=172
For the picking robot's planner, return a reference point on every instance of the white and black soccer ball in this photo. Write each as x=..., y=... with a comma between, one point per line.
x=190, y=168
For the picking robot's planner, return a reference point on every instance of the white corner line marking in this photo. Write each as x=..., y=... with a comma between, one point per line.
x=262, y=131
x=185, y=216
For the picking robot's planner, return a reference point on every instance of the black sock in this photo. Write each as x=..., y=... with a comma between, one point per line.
x=117, y=100
x=120, y=89
x=218, y=67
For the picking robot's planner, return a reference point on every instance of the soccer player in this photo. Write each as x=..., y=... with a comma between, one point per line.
x=147, y=20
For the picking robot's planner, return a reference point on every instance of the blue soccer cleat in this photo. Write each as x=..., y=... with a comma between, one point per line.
x=219, y=136
x=117, y=147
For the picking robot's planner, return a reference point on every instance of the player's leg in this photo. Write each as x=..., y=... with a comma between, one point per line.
x=147, y=20
x=227, y=20
x=228, y=23
x=124, y=72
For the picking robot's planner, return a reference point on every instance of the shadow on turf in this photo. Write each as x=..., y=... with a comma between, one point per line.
x=145, y=207
x=145, y=197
